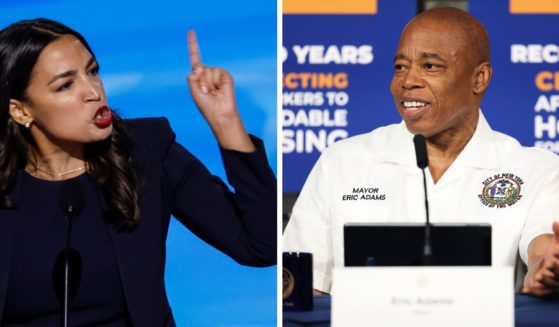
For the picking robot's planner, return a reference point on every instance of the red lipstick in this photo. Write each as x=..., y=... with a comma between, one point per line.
x=103, y=117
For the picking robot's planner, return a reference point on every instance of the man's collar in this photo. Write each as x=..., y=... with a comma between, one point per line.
x=480, y=151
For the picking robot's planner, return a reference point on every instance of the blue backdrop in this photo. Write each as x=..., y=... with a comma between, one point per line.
x=523, y=95
x=349, y=57
x=141, y=48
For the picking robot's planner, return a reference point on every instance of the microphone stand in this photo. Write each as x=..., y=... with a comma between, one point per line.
x=71, y=201
x=427, y=251
x=423, y=162
x=69, y=215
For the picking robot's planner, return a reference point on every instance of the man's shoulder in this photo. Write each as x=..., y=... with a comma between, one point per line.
x=540, y=157
x=514, y=152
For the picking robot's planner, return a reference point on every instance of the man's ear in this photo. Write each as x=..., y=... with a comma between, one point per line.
x=19, y=113
x=482, y=77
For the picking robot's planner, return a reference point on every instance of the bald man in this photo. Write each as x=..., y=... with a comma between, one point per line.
x=442, y=69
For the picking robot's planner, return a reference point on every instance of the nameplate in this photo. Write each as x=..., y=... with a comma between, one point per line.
x=423, y=296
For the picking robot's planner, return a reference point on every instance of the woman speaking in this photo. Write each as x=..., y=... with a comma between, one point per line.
x=104, y=235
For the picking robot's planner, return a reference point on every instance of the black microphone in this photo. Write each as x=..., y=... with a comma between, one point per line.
x=420, y=151
x=422, y=163
x=72, y=201
x=71, y=198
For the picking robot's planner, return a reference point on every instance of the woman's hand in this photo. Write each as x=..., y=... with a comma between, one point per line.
x=213, y=92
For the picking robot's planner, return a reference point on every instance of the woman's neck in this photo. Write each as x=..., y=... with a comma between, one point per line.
x=56, y=164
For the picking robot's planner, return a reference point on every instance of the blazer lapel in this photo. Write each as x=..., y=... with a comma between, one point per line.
x=8, y=220
x=121, y=252
x=136, y=267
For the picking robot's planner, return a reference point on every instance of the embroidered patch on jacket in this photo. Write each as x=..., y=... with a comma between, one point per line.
x=501, y=190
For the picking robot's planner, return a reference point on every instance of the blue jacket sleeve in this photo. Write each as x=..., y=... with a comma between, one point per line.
x=241, y=224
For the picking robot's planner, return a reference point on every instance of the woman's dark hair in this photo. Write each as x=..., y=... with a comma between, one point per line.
x=109, y=161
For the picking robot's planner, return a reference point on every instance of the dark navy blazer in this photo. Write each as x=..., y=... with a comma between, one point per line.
x=240, y=224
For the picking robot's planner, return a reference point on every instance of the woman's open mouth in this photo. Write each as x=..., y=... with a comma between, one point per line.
x=103, y=117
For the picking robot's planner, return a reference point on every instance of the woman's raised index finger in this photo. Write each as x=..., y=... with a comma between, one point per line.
x=194, y=51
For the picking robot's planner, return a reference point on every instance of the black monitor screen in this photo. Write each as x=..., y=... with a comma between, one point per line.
x=402, y=244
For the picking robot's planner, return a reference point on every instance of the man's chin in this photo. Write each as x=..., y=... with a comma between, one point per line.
x=416, y=127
